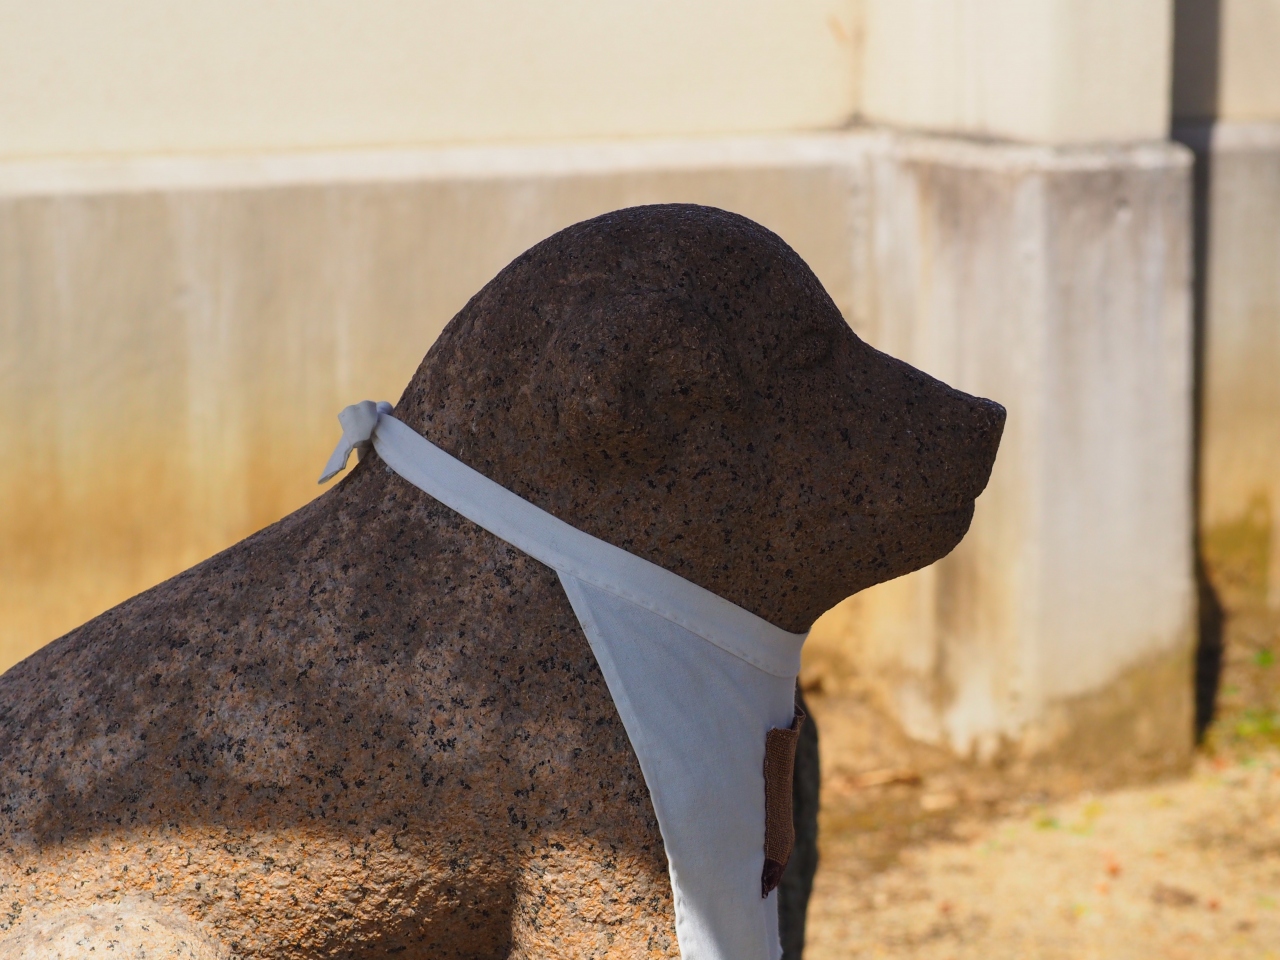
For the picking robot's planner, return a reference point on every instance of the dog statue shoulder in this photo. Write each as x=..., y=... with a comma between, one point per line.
x=705, y=690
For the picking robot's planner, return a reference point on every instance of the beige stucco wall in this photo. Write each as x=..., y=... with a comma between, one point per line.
x=152, y=76
x=1051, y=71
x=1249, y=87
x=1228, y=55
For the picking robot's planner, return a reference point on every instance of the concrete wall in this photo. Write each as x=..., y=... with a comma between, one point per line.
x=177, y=333
x=1227, y=100
x=152, y=76
x=1049, y=71
x=178, y=336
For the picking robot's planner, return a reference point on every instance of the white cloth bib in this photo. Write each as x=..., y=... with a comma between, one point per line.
x=698, y=682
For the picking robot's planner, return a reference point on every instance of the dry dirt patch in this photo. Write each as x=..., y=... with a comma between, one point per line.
x=1189, y=869
x=932, y=859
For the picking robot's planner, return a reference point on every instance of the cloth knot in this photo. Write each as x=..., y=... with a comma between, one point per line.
x=358, y=423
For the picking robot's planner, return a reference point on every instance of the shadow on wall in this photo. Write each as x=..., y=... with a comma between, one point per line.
x=1197, y=29
x=1197, y=38
x=1209, y=650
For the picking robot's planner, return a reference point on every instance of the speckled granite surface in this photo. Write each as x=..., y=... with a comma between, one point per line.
x=373, y=728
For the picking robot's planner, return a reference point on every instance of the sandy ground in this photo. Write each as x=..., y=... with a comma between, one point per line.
x=929, y=859
x=1189, y=869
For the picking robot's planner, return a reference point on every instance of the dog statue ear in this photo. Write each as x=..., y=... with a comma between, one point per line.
x=635, y=367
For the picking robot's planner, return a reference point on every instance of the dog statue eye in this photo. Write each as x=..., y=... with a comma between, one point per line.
x=807, y=350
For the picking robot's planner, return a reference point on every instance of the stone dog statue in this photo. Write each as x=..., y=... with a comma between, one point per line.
x=375, y=729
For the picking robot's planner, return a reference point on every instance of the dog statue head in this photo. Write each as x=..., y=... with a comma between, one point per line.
x=675, y=380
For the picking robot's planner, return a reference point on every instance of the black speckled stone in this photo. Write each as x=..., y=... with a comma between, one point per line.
x=373, y=728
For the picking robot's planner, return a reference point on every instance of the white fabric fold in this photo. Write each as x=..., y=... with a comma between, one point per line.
x=697, y=717
x=697, y=680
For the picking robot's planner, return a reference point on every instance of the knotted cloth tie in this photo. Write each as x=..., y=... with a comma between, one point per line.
x=358, y=423
x=698, y=681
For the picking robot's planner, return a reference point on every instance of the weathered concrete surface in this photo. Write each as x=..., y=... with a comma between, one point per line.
x=230, y=308
x=1239, y=186
x=374, y=727
x=176, y=337
x=1057, y=282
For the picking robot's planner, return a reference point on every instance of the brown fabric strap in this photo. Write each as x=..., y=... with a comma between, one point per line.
x=779, y=828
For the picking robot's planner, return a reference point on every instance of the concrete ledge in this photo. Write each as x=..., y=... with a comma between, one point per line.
x=1058, y=283
x=177, y=336
x=1238, y=187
